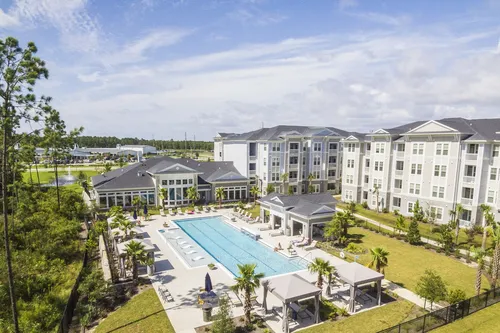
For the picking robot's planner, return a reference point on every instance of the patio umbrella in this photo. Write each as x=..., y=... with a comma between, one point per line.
x=135, y=215
x=208, y=283
x=145, y=210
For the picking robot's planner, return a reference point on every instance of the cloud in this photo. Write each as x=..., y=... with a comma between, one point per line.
x=255, y=17
x=7, y=20
x=382, y=18
x=344, y=4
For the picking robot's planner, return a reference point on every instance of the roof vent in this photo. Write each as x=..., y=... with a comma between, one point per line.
x=140, y=174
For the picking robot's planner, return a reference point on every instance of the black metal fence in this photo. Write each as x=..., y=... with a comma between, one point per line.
x=444, y=316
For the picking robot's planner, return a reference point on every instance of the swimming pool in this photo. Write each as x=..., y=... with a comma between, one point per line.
x=230, y=247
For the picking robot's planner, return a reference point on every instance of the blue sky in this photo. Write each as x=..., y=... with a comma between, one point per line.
x=164, y=67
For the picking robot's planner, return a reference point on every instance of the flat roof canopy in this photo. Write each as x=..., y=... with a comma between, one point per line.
x=356, y=274
x=291, y=288
x=148, y=246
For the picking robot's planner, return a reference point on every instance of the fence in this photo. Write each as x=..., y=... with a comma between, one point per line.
x=447, y=315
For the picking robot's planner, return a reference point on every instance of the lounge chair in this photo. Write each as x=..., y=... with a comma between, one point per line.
x=304, y=243
x=233, y=298
x=186, y=246
x=197, y=258
x=267, y=227
x=276, y=233
x=162, y=212
x=301, y=310
x=256, y=220
x=190, y=252
x=311, y=247
x=214, y=209
x=182, y=243
x=199, y=210
x=166, y=295
x=207, y=209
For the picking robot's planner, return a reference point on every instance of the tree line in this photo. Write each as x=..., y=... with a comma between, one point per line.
x=112, y=141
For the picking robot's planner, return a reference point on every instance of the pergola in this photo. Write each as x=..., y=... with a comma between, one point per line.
x=121, y=248
x=291, y=288
x=355, y=275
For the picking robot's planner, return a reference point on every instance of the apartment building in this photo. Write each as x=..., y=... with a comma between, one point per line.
x=300, y=151
x=438, y=162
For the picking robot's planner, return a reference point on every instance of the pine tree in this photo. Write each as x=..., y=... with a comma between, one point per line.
x=413, y=234
x=223, y=320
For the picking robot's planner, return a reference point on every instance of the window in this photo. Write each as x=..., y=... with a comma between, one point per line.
x=275, y=176
x=396, y=202
x=491, y=197
x=493, y=174
x=438, y=192
x=367, y=163
x=419, y=169
x=190, y=181
x=333, y=146
x=316, y=189
x=376, y=165
x=400, y=147
x=264, y=176
x=381, y=166
x=164, y=182
x=293, y=175
x=316, y=160
x=350, y=163
x=368, y=147
x=470, y=170
x=437, y=212
x=439, y=148
x=178, y=182
x=294, y=160
x=496, y=150
x=441, y=192
x=467, y=215
x=413, y=169
x=436, y=170
x=417, y=188
x=410, y=207
x=398, y=183
x=184, y=181
x=414, y=188
x=331, y=173
x=418, y=149
x=415, y=149
x=468, y=193
x=315, y=174
x=276, y=146
x=443, y=170
x=367, y=179
x=440, y=170
x=252, y=167
x=434, y=191
x=446, y=147
x=170, y=182
x=350, y=147
x=220, y=154
x=400, y=165
x=294, y=146
x=265, y=147
x=332, y=159
x=317, y=146
x=365, y=195
x=472, y=148
x=265, y=161
x=303, y=161
x=379, y=148
x=377, y=183
x=275, y=162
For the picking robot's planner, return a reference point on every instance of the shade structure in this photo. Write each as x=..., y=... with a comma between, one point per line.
x=145, y=210
x=135, y=214
x=208, y=283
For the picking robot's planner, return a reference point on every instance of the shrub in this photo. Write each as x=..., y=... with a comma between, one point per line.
x=355, y=248
x=427, y=246
x=439, y=250
x=365, y=205
x=457, y=253
x=455, y=296
x=396, y=212
x=343, y=312
x=385, y=210
x=413, y=235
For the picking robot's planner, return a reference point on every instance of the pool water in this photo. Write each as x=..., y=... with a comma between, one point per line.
x=231, y=247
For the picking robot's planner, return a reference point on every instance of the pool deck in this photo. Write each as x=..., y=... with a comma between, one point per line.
x=184, y=282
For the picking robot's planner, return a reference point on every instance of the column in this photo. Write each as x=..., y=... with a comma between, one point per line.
x=351, y=300
x=262, y=215
x=285, y=317
x=379, y=292
x=316, y=309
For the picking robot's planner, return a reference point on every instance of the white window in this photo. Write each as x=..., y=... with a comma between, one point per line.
x=493, y=174
x=276, y=162
x=438, y=192
x=264, y=174
x=367, y=179
x=413, y=169
x=316, y=189
x=351, y=147
x=436, y=170
x=417, y=188
x=467, y=215
x=496, y=150
x=377, y=148
x=419, y=169
x=473, y=148
x=400, y=147
x=491, y=197
x=440, y=170
x=376, y=165
x=468, y=193
x=375, y=182
x=410, y=207
x=265, y=147
x=441, y=192
x=350, y=163
x=443, y=170
x=316, y=174
x=415, y=149
x=367, y=163
x=420, y=148
x=333, y=146
x=398, y=183
x=381, y=166
x=396, y=202
x=317, y=146
x=470, y=170
x=276, y=146
x=265, y=161
x=439, y=148
x=400, y=165
x=382, y=147
x=446, y=147
x=434, y=191
x=316, y=160
x=437, y=212
x=412, y=188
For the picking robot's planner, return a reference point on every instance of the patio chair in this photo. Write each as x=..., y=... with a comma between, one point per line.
x=186, y=246
x=310, y=247
x=301, y=310
x=162, y=212
x=233, y=298
x=171, y=212
x=198, y=258
x=199, y=210
x=256, y=220
x=276, y=233
x=213, y=209
x=207, y=209
x=190, y=252
x=302, y=244
x=267, y=227
x=166, y=295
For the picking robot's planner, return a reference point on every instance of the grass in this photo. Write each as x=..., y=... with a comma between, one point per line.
x=255, y=210
x=143, y=313
x=486, y=320
x=48, y=176
x=407, y=262
x=389, y=219
x=370, y=321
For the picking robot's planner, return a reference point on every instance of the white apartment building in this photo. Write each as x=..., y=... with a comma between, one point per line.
x=440, y=163
x=265, y=154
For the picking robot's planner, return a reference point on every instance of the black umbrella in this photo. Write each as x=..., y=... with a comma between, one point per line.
x=208, y=283
x=145, y=210
x=135, y=214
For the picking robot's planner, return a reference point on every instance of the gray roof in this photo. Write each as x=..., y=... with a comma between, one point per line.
x=278, y=132
x=291, y=287
x=307, y=205
x=148, y=245
x=356, y=274
x=139, y=175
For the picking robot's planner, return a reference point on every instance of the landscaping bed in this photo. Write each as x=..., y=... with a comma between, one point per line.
x=258, y=326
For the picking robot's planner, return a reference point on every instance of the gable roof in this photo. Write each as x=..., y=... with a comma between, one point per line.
x=278, y=132
x=291, y=287
x=356, y=274
x=308, y=205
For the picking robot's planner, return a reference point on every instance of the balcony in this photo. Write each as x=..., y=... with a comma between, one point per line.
x=293, y=167
x=332, y=177
x=332, y=165
x=252, y=172
x=332, y=151
x=293, y=151
x=367, y=152
x=292, y=180
x=253, y=157
x=471, y=157
x=398, y=172
x=400, y=155
x=397, y=190
x=469, y=179
x=367, y=170
x=466, y=201
x=465, y=223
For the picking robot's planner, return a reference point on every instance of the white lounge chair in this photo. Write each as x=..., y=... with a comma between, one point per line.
x=182, y=242
x=207, y=209
x=304, y=243
x=162, y=212
x=267, y=227
x=197, y=258
x=171, y=212
x=176, y=237
x=214, y=209
x=256, y=220
x=190, y=252
x=312, y=246
x=198, y=210
x=276, y=233
x=186, y=246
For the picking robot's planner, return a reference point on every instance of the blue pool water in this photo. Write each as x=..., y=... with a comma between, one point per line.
x=231, y=247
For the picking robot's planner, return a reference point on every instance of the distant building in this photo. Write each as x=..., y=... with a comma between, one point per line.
x=145, y=179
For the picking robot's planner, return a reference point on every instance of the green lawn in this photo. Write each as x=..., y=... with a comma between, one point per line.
x=389, y=219
x=254, y=210
x=143, y=313
x=407, y=262
x=48, y=176
x=370, y=321
x=486, y=320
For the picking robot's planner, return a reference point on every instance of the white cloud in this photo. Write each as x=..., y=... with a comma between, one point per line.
x=382, y=18
x=343, y=4
x=7, y=20
x=255, y=17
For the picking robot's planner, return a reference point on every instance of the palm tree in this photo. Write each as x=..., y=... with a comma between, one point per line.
x=107, y=167
x=137, y=203
x=135, y=253
x=329, y=275
x=125, y=225
x=376, y=190
x=344, y=220
x=192, y=194
x=351, y=207
x=488, y=220
x=284, y=179
x=270, y=188
x=310, y=187
x=322, y=267
x=400, y=224
x=494, y=231
x=220, y=195
x=379, y=259
x=459, y=209
x=479, y=255
x=290, y=190
x=247, y=282
x=163, y=194
x=254, y=191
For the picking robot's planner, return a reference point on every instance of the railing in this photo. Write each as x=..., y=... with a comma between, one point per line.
x=466, y=201
x=471, y=157
x=332, y=151
x=305, y=257
x=367, y=152
x=332, y=164
x=398, y=172
x=400, y=155
x=292, y=180
x=447, y=315
x=469, y=179
x=465, y=223
x=293, y=166
x=293, y=151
